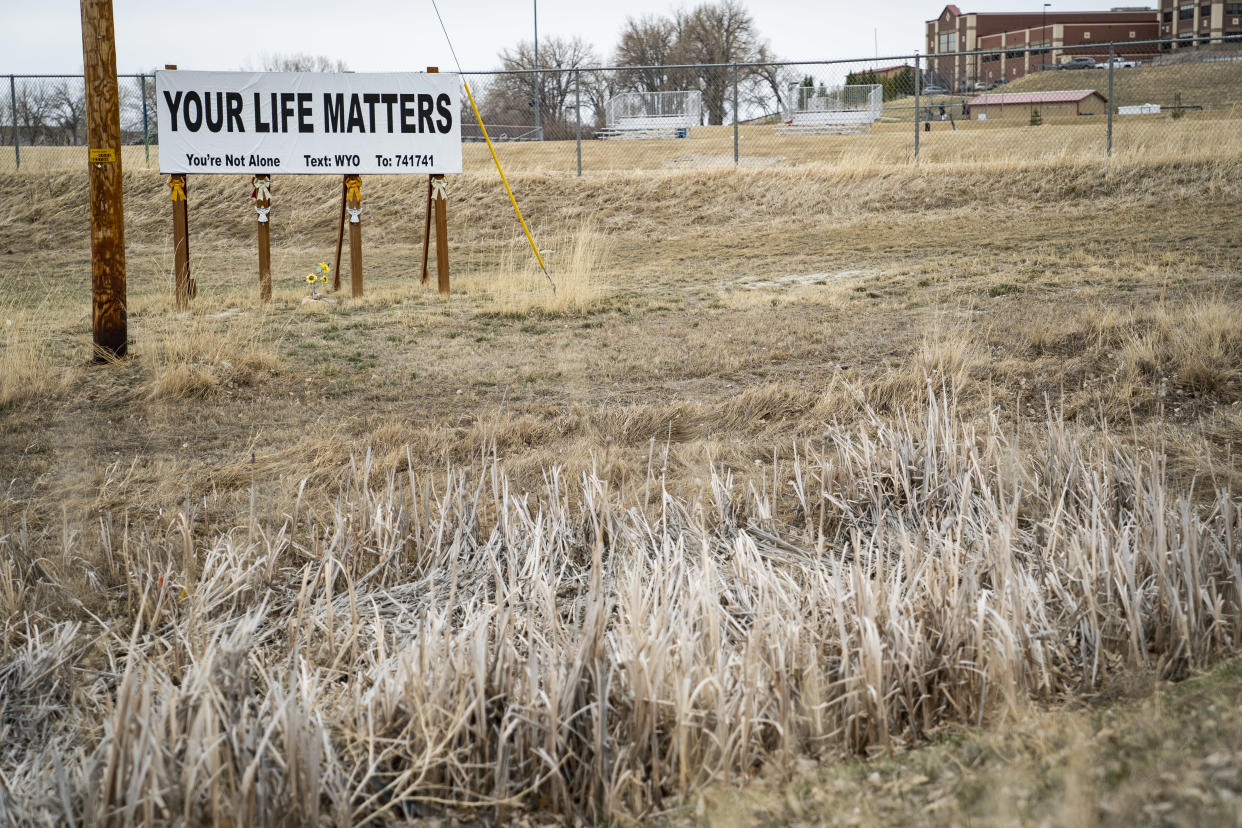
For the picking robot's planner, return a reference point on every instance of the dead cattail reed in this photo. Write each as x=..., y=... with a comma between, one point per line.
x=431, y=644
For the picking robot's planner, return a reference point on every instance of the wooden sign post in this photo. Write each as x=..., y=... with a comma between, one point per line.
x=440, y=199
x=103, y=134
x=437, y=198
x=186, y=289
x=353, y=206
x=262, y=196
x=340, y=238
x=423, y=276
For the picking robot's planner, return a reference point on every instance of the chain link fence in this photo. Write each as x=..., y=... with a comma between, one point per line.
x=1152, y=99
x=43, y=122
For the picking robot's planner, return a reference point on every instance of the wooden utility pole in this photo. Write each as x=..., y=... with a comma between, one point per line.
x=103, y=136
x=262, y=205
x=353, y=205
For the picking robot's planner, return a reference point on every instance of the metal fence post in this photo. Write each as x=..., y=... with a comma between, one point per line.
x=735, y=116
x=1111, y=103
x=918, y=108
x=538, y=88
x=146, y=135
x=17, y=150
x=578, y=115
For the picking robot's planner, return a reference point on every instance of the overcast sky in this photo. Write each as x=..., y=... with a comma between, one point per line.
x=44, y=36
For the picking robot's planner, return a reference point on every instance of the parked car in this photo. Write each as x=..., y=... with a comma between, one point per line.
x=935, y=90
x=981, y=86
x=1118, y=63
x=1079, y=62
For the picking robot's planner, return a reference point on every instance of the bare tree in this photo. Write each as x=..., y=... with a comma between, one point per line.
x=597, y=88
x=134, y=93
x=68, y=100
x=299, y=62
x=34, y=111
x=651, y=43
x=511, y=98
x=767, y=85
x=717, y=33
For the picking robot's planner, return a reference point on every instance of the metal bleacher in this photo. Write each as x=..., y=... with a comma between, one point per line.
x=651, y=115
x=844, y=110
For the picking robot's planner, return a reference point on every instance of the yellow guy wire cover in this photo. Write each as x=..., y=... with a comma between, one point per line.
x=505, y=181
x=491, y=149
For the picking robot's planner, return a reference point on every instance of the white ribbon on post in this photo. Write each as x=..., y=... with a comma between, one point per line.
x=262, y=188
x=439, y=189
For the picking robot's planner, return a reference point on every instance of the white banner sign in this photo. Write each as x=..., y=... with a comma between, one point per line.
x=308, y=122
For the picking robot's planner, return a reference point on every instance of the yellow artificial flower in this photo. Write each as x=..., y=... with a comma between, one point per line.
x=325, y=278
x=323, y=268
x=310, y=278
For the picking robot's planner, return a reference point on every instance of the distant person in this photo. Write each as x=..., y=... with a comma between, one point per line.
x=943, y=114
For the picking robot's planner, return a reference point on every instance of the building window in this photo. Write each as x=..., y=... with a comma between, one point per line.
x=1233, y=8
x=948, y=43
x=1168, y=17
x=1186, y=11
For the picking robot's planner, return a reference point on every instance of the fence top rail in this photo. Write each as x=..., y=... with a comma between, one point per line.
x=1077, y=47
x=20, y=76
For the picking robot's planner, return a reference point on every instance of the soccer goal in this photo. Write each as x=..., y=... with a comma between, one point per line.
x=842, y=109
x=652, y=114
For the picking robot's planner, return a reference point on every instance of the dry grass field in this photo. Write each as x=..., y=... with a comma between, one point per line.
x=844, y=491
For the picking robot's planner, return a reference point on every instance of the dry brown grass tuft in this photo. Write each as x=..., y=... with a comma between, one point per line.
x=517, y=287
x=195, y=355
x=1196, y=348
x=30, y=369
x=947, y=357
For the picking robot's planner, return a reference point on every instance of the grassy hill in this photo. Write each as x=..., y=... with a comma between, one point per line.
x=1210, y=85
x=1213, y=86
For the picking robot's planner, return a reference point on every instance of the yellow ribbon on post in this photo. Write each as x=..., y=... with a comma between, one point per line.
x=178, y=188
x=353, y=189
